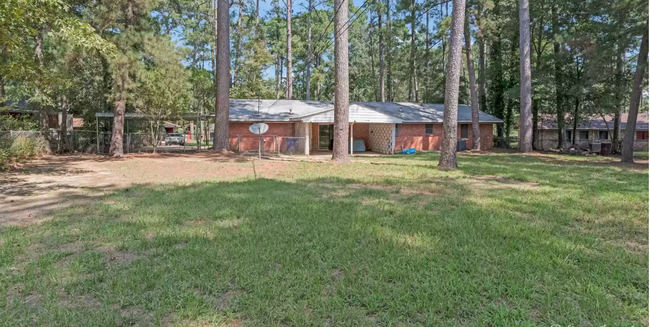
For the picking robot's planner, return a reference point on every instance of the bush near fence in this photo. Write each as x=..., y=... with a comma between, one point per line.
x=20, y=145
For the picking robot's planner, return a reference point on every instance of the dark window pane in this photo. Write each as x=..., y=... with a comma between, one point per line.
x=584, y=135
x=396, y=129
x=568, y=135
x=428, y=129
x=603, y=135
x=464, y=131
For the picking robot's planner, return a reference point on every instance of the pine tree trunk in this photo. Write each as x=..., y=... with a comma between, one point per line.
x=117, y=136
x=63, y=127
x=476, y=127
x=427, y=61
x=238, y=44
x=482, y=98
x=371, y=53
x=412, y=62
x=382, y=91
x=444, y=41
x=257, y=16
x=3, y=101
x=222, y=101
x=42, y=110
x=559, y=97
x=450, y=122
x=635, y=99
x=389, y=81
x=309, y=50
x=341, y=84
x=575, y=121
x=619, y=100
x=289, y=59
x=525, y=78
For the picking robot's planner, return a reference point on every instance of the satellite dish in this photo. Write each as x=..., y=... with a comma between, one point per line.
x=259, y=128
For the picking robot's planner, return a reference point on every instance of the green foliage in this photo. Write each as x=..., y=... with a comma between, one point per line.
x=19, y=148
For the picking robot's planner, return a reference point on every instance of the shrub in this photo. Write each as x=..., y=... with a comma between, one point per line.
x=27, y=147
x=20, y=148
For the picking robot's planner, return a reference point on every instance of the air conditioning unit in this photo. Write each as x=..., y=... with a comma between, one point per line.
x=595, y=147
x=461, y=145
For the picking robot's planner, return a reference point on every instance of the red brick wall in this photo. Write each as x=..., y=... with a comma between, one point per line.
x=279, y=129
x=413, y=136
x=362, y=131
x=250, y=141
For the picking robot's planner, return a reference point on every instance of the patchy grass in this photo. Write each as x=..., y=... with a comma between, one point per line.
x=506, y=240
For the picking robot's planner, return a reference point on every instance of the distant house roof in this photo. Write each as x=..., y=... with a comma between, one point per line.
x=597, y=122
x=77, y=122
x=323, y=111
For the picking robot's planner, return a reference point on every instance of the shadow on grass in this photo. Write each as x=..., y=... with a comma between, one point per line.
x=319, y=251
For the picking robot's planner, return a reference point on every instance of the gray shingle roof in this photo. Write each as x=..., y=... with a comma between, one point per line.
x=426, y=112
x=301, y=110
x=272, y=110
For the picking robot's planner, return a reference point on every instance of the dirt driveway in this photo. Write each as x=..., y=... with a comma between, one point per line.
x=32, y=192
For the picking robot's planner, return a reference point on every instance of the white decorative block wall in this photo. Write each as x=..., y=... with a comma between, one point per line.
x=381, y=138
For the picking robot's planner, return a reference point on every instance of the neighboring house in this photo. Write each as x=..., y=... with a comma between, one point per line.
x=592, y=130
x=170, y=127
x=54, y=119
x=385, y=127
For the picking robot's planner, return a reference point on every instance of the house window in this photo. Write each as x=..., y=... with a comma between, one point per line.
x=642, y=135
x=464, y=131
x=428, y=129
x=603, y=135
x=584, y=135
x=396, y=129
x=568, y=135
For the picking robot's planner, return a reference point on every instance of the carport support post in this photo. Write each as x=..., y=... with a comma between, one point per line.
x=351, y=139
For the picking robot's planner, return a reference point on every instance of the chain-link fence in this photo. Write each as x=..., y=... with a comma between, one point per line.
x=99, y=142
x=292, y=145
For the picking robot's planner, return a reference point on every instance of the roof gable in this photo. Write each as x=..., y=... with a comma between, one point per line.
x=358, y=114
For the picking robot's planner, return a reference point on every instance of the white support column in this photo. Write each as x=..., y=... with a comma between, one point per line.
x=351, y=139
x=307, y=137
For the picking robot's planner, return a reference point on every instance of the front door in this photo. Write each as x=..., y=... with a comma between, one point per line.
x=325, y=135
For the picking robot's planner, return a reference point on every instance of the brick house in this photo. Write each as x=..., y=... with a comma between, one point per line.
x=591, y=130
x=384, y=127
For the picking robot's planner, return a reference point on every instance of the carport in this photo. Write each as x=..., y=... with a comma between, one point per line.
x=376, y=129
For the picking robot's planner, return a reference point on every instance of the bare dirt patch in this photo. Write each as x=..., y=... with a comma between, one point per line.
x=33, y=192
x=227, y=298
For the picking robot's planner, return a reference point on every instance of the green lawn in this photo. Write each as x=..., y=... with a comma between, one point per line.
x=507, y=240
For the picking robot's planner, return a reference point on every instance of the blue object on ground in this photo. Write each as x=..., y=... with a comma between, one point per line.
x=358, y=146
x=408, y=151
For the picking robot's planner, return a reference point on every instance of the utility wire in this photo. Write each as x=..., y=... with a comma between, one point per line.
x=357, y=17
x=347, y=25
